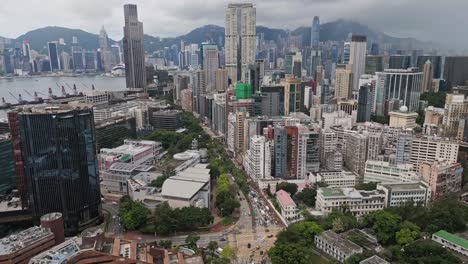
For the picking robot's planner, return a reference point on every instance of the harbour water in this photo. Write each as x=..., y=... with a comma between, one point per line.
x=11, y=88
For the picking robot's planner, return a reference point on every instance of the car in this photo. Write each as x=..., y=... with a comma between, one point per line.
x=222, y=239
x=270, y=236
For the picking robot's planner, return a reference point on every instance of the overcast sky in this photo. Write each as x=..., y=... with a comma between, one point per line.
x=442, y=21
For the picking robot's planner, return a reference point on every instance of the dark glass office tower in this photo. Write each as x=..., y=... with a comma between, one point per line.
x=364, y=104
x=399, y=62
x=54, y=56
x=456, y=71
x=7, y=177
x=56, y=166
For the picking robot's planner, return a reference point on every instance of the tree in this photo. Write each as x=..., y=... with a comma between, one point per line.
x=291, y=188
x=221, y=261
x=384, y=224
x=289, y=254
x=165, y=244
x=340, y=221
x=135, y=216
x=405, y=236
x=223, y=183
x=308, y=231
x=307, y=196
x=158, y=182
x=192, y=240
x=427, y=253
x=228, y=253
x=434, y=99
x=212, y=246
x=366, y=186
x=226, y=204
x=447, y=213
x=268, y=190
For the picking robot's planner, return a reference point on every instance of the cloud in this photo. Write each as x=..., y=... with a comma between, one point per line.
x=433, y=20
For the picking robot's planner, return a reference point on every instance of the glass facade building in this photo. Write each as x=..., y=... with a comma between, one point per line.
x=56, y=165
x=7, y=177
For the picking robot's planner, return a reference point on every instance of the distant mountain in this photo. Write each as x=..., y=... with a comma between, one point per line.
x=335, y=31
x=38, y=38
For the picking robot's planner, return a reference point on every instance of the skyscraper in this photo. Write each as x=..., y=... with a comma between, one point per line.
x=53, y=56
x=240, y=37
x=456, y=71
x=77, y=57
x=134, y=53
x=398, y=85
x=399, y=62
x=103, y=39
x=436, y=62
x=364, y=104
x=210, y=64
x=27, y=60
x=343, y=82
x=315, y=32
x=427, y=77
x=56, y=165
x=358, y=58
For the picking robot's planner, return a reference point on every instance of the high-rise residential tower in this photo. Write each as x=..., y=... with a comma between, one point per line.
x=134, y=53
x=240, y=37
x=315, y=32
x=56, y=164
x=357, y=58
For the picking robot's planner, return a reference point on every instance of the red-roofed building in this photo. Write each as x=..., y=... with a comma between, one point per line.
x=287, y=206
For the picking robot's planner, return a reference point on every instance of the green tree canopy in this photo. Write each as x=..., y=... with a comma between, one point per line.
x=289, y=254
x=307, y=196
x=427, y=253
x=384, y=224
x=291, y=188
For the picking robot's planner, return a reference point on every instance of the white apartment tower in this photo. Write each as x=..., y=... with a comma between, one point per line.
x=240, y=37
x=258, y=157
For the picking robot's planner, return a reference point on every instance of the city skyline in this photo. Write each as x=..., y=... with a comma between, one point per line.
x=179, y=17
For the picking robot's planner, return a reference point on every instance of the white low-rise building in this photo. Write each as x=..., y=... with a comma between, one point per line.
x=451, y=241
x=336, y=179
x=335, y=246
x=114, y=179
x=131, y=151
x=288, y=207
x=397, y=194
x=358, y=202
x=384, y=172
x=190, y=187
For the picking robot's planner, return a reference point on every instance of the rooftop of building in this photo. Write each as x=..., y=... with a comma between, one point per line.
x=284, y=198
x=347, y=192
x=147, y=176
x=179, y=188
x=128, y=168
x=58, y=254
x=51, y=216
x=113, y=120
x=130, y=147
x=374, y=260
x=51, y=108
x=342, y=244
x=406, y=186
x=23, y=239
x=331, y=192
x=459, y=241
